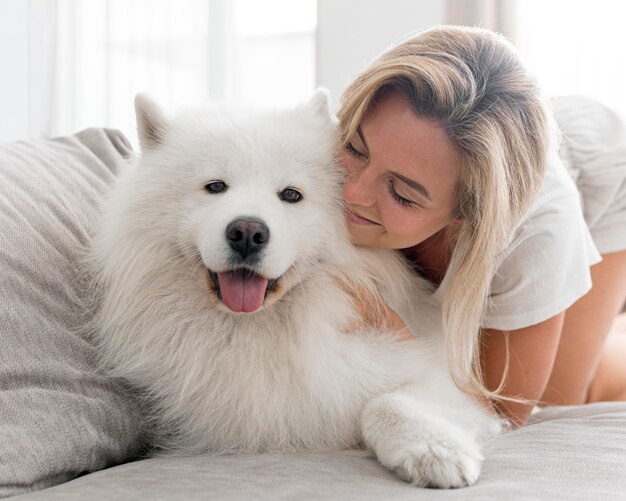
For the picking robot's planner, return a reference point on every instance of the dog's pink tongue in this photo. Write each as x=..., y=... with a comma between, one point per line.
x=242, y=291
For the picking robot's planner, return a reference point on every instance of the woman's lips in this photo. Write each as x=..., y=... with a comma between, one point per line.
x=353, y=217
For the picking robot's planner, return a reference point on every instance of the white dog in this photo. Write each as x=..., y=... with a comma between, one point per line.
x=220, y=261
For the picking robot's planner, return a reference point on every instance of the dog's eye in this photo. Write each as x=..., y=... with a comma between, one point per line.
x=290, y=195
x=216, y=187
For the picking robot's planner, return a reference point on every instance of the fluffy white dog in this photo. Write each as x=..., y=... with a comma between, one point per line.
x=220, y=261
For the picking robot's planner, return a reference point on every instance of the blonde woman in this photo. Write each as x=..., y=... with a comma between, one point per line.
x=452, y=157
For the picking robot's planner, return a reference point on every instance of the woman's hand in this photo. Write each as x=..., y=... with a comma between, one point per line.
x=375, y=313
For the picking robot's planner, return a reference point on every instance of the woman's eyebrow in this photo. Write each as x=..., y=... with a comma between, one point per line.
x=413, y=184
x=360, y=133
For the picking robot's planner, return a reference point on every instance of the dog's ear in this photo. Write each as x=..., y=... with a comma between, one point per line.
x=151, y=122
x=320, y=101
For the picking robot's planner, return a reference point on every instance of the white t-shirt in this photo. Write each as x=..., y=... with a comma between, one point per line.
x=546, y=266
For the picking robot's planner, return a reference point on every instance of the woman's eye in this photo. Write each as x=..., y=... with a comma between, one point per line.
x=354, y=152
x=290, y=195
x=400, y=199
x=215, y=187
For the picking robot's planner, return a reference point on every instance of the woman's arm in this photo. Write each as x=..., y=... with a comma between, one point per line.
x=582, y=347
x=532, y=351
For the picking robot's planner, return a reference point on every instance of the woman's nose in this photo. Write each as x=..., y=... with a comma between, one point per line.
x=358, y=187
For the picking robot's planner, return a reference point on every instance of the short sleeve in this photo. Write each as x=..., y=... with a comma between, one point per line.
x=546, y=267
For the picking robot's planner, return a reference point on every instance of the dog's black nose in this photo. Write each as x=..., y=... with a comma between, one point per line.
x=247, y=236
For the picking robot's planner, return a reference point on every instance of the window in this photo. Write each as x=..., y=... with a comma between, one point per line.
x=576, y=47
x=182, y=52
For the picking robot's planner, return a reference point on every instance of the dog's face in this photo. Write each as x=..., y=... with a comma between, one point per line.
x=256, y=197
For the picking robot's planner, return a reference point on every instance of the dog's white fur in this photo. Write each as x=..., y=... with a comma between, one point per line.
x=295, y=374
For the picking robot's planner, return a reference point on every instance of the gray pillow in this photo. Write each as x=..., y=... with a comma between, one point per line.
x=58, y=417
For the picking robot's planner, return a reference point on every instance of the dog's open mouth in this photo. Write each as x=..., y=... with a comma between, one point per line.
x=241, y=290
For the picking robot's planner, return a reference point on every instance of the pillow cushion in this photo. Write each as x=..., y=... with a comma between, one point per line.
x=58, y=417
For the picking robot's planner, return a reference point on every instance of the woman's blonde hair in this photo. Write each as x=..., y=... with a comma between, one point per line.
x=470, y=81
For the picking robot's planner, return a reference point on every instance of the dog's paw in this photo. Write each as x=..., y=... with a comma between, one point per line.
x=442, y=465
x=419, y=447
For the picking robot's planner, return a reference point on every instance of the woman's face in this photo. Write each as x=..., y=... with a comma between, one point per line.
x=402, y=176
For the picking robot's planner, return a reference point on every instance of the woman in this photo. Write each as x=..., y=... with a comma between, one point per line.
x=451, y=156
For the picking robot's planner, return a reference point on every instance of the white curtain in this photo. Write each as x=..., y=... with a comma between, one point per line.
x=108, y=50
x=42, y=52
x=182, y=52
x=496, y=15
x=27, y=51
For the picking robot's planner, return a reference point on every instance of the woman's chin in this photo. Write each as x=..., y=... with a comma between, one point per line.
x=366, y=237
x=360, y=237
x=376, y=237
